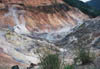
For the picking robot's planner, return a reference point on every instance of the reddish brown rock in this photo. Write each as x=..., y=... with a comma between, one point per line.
x=6, y=60
x=45, y=17
x=31, y=2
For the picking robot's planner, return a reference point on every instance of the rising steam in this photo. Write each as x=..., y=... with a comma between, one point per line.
x=19, y=27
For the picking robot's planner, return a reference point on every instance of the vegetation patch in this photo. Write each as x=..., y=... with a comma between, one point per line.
x=50, y=61
x=91, y=11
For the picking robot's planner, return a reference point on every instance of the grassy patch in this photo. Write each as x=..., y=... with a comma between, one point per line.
x=69, y=67
x=85, y=56
x=50, y=62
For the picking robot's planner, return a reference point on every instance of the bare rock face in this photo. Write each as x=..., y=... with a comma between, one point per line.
x=49, y=19
x=22, y=50
x=31, y=2
x=87, y=36
x=40, y=15
x=6, y=60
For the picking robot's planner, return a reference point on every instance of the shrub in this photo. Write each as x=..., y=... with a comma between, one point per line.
x=85, y=56
x=69, y=67
x=50, y=62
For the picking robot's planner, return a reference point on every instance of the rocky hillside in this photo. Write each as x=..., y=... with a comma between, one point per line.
x=40, y=15
x=23, y=50
x=87, y=34
x=29, y=29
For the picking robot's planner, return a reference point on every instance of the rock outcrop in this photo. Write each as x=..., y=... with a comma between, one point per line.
x=84, y=37
x=87, y=36
x=40, y=15
x=46, y=18
x=23, y=50
x=88, y=33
